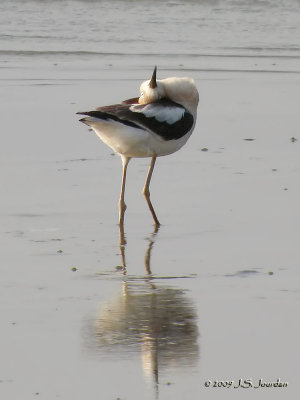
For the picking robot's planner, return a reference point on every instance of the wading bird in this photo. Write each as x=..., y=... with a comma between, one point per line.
x=157, y=123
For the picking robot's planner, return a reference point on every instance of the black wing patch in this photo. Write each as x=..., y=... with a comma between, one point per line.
x=109, y=116
x=174, y=129
x=132, y=114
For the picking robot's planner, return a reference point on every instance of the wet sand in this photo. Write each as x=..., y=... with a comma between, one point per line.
x=218, y=295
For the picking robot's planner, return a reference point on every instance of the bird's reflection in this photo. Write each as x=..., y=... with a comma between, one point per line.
x=122, y=246
x=155, y=320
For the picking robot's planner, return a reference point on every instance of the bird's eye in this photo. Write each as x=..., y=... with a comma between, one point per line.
x=142, y=94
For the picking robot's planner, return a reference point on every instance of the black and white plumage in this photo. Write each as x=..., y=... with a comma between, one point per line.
x=157, y=123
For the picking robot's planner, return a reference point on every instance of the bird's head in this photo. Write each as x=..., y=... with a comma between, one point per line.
x=180, y=90
x=151, y=90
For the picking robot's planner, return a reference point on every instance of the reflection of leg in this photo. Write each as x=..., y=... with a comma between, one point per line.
x=122, y=205
x=146, y=191
x=149, y=249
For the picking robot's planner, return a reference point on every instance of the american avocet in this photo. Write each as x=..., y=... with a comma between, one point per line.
x=157, y=123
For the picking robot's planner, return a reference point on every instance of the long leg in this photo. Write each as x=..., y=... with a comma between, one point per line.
x=122, y=205
x=122, y=245
x=146, y=191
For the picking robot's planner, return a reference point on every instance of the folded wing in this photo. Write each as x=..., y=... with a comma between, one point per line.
x=165, y=118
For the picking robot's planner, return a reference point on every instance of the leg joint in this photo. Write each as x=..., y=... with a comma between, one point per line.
x=146, y=192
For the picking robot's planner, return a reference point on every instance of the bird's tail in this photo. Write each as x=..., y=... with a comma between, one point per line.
x=85, y=121
x=89, y=120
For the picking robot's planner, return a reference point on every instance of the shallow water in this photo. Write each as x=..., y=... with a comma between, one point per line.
x=225, y=34
x=214, y=294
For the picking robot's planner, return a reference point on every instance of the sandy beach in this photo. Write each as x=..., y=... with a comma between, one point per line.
x=228, y=245
x=208, y=306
